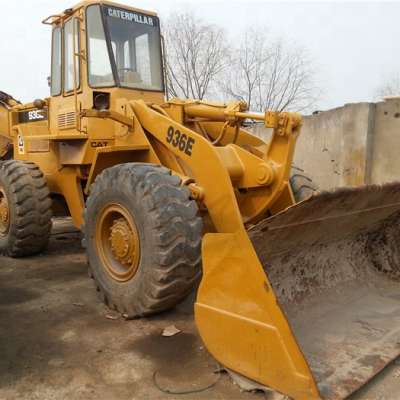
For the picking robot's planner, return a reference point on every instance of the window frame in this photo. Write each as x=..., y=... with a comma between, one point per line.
x=109, y=48
x=61, y=86
x=112, y=58
x=71, y=92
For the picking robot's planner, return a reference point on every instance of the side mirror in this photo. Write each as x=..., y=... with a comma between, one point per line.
x=49, y=81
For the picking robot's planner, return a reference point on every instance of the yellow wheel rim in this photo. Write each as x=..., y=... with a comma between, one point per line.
x=117, y=242
x=4, y=213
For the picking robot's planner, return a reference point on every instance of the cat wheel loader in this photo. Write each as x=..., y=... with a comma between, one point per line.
x=301, y=296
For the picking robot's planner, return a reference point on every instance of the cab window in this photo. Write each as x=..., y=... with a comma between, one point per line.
x=99, y=65
x=56, y=62
x=71, y=44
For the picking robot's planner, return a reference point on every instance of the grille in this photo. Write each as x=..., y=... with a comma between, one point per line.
x=66, y=120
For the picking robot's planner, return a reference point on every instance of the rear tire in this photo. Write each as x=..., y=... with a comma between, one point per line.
x=25, y=209
x=302, y=185
x=148, y=200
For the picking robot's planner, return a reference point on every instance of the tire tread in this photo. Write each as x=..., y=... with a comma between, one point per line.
x=302, y=185
x=32, y=208
x=177, y=231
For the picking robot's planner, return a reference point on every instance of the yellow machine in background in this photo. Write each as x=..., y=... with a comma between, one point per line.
x=160, y=188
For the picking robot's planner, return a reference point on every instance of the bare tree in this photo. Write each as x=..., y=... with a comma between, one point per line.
x=196, y=55
x=390, y=87
x=270, y=74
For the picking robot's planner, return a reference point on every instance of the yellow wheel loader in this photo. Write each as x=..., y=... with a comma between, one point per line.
x=300, y=296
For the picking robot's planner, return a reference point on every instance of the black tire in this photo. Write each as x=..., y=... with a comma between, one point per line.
x=302, y=185
x=169, y=230
x=29, y=205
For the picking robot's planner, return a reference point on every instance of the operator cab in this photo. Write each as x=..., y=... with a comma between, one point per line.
x=122, y=49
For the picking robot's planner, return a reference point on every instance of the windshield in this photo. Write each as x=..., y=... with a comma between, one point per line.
x=133, y=43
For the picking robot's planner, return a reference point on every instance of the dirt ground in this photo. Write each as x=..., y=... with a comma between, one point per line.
x=57, y=341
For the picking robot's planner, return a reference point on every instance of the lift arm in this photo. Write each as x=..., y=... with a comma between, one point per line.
x=236, y=310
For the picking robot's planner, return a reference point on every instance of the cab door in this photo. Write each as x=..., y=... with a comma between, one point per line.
x=66, y=78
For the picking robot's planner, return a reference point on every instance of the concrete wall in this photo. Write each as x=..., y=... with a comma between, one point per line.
x=351, y=145
x=385, y=157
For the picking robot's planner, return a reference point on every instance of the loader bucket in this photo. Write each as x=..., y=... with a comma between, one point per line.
x=332, y=320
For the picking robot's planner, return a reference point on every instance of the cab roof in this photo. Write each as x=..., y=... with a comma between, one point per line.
x=54, y=19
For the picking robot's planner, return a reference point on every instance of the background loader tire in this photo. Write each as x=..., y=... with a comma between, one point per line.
x=26, y=223
x=302, y=185
x=169, y=231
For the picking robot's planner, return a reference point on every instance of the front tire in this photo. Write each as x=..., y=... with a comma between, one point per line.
x=143, y=239
x=302, y=185
x=25, y=209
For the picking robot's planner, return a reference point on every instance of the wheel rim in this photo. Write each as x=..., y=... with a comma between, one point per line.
x=117, y=242
x=4, y=213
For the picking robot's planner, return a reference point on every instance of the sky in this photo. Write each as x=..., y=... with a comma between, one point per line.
x=355, y=46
